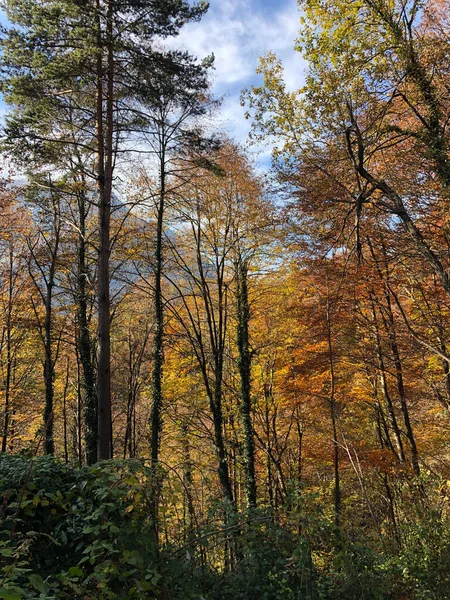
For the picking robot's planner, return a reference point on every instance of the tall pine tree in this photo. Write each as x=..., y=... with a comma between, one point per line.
x=80, y=76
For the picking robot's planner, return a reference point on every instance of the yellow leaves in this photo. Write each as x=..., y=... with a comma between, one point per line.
x=358, y=389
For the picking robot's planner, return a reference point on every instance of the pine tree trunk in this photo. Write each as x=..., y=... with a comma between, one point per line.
x=104, y=178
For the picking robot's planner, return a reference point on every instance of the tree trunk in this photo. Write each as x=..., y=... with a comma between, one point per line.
x=66, y=387
x=49, y=371
x=158, y=350
x=104, y=179
x=244, y=364
x=401, y=387
x=6, y=419
x=188, y=484
x=128, y=440
x=85, y=343
x=216, y=410
x=333, y=414
x=49, y=365
x=78, y=445
x=385, y=389
x=389, y=323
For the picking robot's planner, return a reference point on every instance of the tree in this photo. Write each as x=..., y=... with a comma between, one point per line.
x=244, y=365
x=14, y=289
x=178, y=145
x=219, y=218
x=372, y=100
x=80, y=40
x=79, y=76
x=44, y=250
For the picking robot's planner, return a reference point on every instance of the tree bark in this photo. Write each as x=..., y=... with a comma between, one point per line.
x=244, y=365
x=104, y=179
x=6, y=419
x=85, y=343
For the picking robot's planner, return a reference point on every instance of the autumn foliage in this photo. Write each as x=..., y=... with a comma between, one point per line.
x=277, y=344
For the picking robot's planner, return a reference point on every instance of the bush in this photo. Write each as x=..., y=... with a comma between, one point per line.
x=424, y=560
x=271, y=563
x=85, y=533
x=70, y=532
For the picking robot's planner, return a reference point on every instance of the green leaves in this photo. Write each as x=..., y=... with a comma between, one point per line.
x=10, y=594
x=74, y=529
x=37, y=583
x=276, y=113
x=50, y=73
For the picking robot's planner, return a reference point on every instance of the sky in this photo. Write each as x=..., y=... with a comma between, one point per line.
x=238, y=32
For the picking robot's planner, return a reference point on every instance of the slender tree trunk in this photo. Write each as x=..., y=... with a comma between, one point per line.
x=85, y=343
x=128, y=441
x=66, y=387
x=333, y=413
x=158, y=350
x=6, y=419
x=49, y=365
x=78, y=435
x=382, y=427
x=268, y=446
x=440, y=324
x=389, y=323
x=400, y=385
x=216, y=410
x=244, y=364
x=188, y=483
x=300, y=434
x=385, y=389
x=49, y=372
x=216, y=325
x=387, y=486
x=104, y=178
x=158, y=341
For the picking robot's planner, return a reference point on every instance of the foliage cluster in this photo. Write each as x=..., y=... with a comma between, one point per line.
x=86, y=533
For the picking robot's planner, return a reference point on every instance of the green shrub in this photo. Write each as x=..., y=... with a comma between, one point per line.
x=271, y=563
x=69, y=532
x=85, y=533
x=424, y=559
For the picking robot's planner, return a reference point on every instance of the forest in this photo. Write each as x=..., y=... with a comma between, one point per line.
x=222, y=379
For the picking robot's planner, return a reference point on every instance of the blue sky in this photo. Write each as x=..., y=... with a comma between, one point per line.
x=238, y=32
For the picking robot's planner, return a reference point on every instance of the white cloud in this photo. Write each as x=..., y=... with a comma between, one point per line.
x=238, y=32
x=233, y=118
